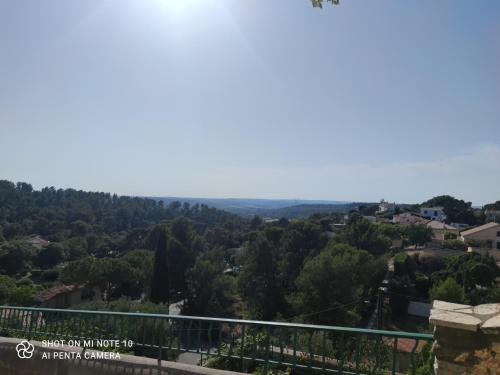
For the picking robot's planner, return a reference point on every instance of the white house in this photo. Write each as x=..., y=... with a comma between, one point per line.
x=434, y=213
x=385, y=206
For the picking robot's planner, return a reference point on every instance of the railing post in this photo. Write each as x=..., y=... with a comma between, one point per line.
x=160, y=344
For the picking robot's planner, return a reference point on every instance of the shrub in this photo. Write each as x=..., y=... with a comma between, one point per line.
x=448, y=290
x=422, y=284
x=454, y=245
x=50, y=275
x=450, y=236
x=478, y=243
x=400, y=260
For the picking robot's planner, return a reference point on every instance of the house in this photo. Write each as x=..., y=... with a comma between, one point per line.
x=440, y=229
x=63, y=296
x=384, y=206
x=484, y=236
x=38, y=242
x=434, y=213
x=409, y=218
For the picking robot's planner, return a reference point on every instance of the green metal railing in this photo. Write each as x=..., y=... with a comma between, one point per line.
x=239, y=345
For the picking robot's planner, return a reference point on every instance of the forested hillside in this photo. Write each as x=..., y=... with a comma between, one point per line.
x=137, y=254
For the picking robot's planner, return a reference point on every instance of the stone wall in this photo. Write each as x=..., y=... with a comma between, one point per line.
x=467, y=338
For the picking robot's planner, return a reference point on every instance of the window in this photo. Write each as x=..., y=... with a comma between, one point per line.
x=425, y=212
x=498, y=245
x=435, y=213
x=498, y=233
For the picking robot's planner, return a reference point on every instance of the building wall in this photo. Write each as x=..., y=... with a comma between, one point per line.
x=490, y=234
x=440, y=233
x=433, y=213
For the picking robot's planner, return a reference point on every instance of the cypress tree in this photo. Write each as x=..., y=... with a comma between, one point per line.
x=160, y=283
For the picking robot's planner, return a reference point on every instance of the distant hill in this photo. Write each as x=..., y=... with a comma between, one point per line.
x=306, y=210
x=263, y=207
x=272, y=208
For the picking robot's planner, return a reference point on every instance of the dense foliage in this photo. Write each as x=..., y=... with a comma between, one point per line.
x=325, y=269
x=456, y=210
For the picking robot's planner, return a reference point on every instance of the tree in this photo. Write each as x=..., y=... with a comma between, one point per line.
x=331, y=285
x=50, y=275
x=401, y=289
x=448, y=290
x=454, y=245
x=295, y=243
x=469, y=269
x=79, y=228
x=78, y=271
x=112, y=274
x=181, y=229
x=450, y=236
x=209, y=290
x=457, y=211
x=7, y=284
x=50, y=256
x=418, y=234
x=141, y=265
x=178, y=262
x=76, y=248
x=160, y=281
x=257, y=281
x=15, y=257
x=362, y=234
x=23, y=295
x=107, y=274
x=392, y=231
x=256, y=222
x=319, y=3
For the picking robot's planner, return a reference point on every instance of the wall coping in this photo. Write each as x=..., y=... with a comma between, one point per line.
x=484, y=318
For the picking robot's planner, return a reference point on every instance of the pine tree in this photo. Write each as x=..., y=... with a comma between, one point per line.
x=160, y=283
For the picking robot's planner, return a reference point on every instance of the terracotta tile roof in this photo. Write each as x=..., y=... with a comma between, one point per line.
x=434, y=224
x=480, y=228
x=48, y=294
x=409, y=218
x=406, y=345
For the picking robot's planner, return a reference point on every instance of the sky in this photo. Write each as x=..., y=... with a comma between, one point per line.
x=256, y=99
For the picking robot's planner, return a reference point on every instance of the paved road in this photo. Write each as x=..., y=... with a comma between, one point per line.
x=187, y=358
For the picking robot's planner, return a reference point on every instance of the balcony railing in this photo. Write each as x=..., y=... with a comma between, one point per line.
x=239, y=345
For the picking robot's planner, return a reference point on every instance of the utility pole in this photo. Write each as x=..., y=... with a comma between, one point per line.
x=380, y=304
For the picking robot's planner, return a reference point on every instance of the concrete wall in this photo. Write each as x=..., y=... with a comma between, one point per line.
x=439, y=234
x=11, y=364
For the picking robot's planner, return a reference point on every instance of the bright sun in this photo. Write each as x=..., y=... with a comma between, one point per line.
x=178, y=6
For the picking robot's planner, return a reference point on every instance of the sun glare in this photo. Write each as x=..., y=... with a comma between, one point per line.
x=178, y=7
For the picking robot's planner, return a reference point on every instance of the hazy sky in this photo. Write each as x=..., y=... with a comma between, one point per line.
x=253, y=98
